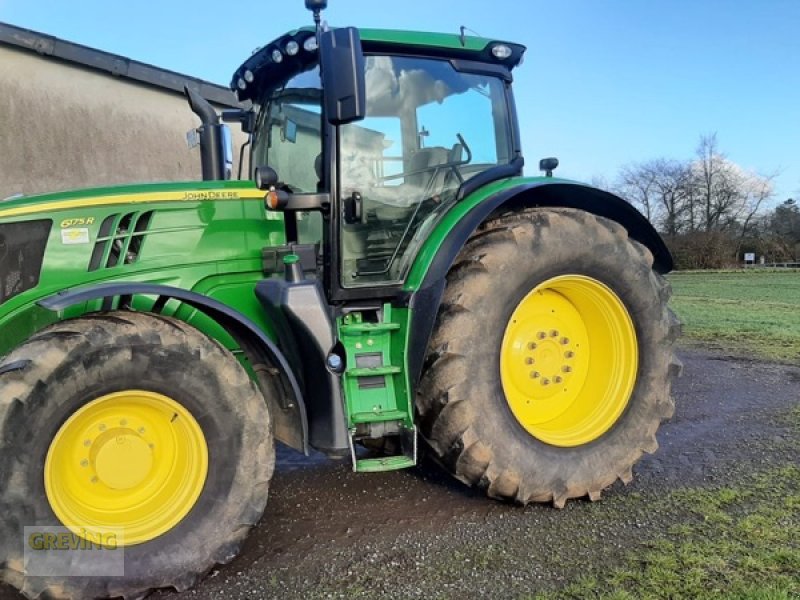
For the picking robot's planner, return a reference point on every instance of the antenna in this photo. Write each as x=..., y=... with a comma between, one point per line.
x=316, y=6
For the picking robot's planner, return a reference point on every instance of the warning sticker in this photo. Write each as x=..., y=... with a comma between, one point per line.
x=75, y=235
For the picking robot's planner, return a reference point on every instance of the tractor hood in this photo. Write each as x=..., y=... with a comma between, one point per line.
x=47, y=205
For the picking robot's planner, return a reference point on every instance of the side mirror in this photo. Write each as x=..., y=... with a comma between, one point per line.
x=342, y=66
x=266, y=177
x=548, y=165
x=247, y=118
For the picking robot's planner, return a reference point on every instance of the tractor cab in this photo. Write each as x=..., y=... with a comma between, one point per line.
x=379, y=155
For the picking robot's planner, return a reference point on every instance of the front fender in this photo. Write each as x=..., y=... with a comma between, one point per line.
x=426, y=279
x=290, y=421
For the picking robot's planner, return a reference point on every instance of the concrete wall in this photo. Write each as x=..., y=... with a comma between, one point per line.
x=64, y=126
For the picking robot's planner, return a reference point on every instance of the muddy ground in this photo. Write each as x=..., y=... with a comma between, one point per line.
x=331, y=533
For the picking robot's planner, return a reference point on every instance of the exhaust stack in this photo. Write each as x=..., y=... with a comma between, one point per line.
x=213, y=154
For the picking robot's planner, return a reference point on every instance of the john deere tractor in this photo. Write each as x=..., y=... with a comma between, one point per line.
x=383, y=282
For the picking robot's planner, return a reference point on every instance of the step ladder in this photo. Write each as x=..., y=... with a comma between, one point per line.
x=376, y=387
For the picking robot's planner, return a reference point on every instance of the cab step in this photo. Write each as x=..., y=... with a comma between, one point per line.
x=376, y=385
x=407, y=457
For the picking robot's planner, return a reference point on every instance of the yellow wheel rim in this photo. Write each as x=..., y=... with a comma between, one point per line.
x=133, y=463
x=568, y=360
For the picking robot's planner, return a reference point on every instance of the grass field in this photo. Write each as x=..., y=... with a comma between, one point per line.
x=753, y=312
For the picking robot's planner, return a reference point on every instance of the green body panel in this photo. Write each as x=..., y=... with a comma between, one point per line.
x=449, y=41
x=385, y=342
x=201, y=236
x=430, y=248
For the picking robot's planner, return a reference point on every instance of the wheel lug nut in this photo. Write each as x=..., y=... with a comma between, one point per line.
x=545, y=381
x=569, y=354
x=541, y=335
x=557, y=379
x=553, y=333
x=84, y=463
x=95, y=479
x=534, y=374
x=529, y=361
x=565, y=340
x=87, y=443
x=102, y=427
x=531, y=346
x=123, y=423
x=566, y=369
x=141, y=429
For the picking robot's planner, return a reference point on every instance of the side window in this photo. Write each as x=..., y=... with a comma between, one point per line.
x=429, y=128
x=288, y=134
x=468, y=114
x=372, y=153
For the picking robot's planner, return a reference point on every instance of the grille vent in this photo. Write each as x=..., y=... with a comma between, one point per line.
x=21, y=253
x=119, y=240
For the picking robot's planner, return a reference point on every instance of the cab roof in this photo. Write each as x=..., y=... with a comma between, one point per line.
x=260, y=70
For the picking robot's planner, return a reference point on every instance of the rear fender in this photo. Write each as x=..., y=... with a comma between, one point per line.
x=273, y=373
x=436, y=258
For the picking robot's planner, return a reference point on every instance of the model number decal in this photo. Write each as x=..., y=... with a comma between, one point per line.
x=76, y=222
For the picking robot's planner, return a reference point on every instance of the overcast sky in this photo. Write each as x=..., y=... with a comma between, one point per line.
x=604, y=83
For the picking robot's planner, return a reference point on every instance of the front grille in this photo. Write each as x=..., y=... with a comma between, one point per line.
x=21, y=253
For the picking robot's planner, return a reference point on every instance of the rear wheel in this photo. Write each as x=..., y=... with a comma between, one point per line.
x=549, y=370
x=136, y=426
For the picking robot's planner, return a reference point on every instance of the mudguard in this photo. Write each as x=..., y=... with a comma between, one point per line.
x=289, y=418
x=428, y=273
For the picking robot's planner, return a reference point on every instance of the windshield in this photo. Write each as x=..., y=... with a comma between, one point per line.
x=428, y=129
x=288, y=132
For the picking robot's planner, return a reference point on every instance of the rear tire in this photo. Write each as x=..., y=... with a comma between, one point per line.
x=469, y=413
x=144, y=364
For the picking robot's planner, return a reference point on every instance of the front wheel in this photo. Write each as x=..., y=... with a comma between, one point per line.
x=550, y=366
x=132, y=428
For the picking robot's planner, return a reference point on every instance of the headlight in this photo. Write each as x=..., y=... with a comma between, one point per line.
x=501, y=51
x=310, y=44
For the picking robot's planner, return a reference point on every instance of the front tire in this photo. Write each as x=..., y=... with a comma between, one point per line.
x=549, y=370
x=133, y=423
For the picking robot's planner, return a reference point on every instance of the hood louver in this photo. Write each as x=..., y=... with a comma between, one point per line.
x=119, y=240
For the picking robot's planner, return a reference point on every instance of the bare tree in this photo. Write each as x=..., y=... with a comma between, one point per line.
x=706, y=206
x=659, y=187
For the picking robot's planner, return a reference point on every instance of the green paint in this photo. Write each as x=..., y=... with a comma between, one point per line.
x=187, y=244
x=449, y=41
x=88, y=194
x=385, y=463
x=376, y=387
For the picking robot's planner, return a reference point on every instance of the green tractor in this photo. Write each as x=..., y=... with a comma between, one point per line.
x=384, y=282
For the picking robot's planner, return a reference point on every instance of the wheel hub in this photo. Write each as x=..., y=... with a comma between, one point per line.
x=123, y=448
x=133, y=463
x=568, y=360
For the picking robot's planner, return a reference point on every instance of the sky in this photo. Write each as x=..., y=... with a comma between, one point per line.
x=605, y=83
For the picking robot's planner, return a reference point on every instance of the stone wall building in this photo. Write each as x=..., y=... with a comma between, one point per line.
x=72, y=116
